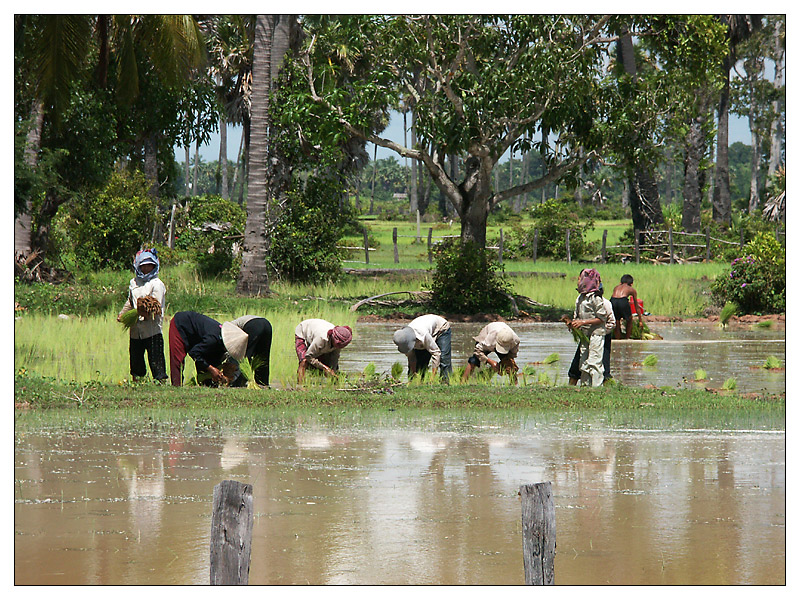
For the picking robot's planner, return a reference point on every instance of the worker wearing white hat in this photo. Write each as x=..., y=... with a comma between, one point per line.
x=426, y=343
x=495, y=337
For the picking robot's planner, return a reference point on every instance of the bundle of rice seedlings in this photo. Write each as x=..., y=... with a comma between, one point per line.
x=642, y=332
x=772, y=362
x=551, y=358
x=248, y=368
x=150, y=305
x=577, y=334
x=650, y=361
x=730, y=384
x=727, y=312
x=129, y=318
x=397, y=370
x=700, y=375
x=764, y=324
x=369, y=371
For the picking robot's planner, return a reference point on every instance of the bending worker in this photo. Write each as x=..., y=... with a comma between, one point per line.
x=259, y=344
x=495, y=337
x=426, y=343
x=206, y=341
x=318, y=343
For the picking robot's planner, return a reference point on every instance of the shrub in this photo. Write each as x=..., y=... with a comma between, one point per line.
x=305, y=237
x=107, y=230
x=757, y=280
x=212, y=249
x=552, y=218
x=468, y=279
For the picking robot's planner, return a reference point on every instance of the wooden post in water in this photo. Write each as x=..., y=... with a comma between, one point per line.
x=366, y=246
x=538, y=533
x=231, y=533
x=394, y=241
x=603, y=252
x=671, y=248
x=569, y=257
x=535, y=243
x=500, y=247
x=708, y=243
x=430, y=245
x=636, y=244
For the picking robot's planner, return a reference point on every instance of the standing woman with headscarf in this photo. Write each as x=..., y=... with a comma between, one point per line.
x=590, y=316
x=146, y=332
x=318, y=343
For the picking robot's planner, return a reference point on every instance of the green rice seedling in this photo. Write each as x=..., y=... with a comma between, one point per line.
x=772, y=362
x=543, y=379
x=551, y=358
x=369, y=371
x=764, y=324
x=730, y=384
x=650, y=361
x=700, y=375
x=129, y=318
x=727, y=312
x=248, y=368
x=397, y=370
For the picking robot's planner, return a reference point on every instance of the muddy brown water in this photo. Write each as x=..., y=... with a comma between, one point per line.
x=382, y=497
x=722, y=353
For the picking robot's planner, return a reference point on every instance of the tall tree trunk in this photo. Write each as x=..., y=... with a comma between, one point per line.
x=239, y=163
x=721, y=203
x=776, y=129
x=253, y=276
x=196, y=169
x=692, y=187
x=151, y=164
x=374, y=176
x=187, y=171
x=223, y=155
x=475, y=191
x=23, y=223
x=644, y=200
x=412, y=188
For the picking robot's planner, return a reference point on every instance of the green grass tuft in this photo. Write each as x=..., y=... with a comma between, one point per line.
x=700, y=375
x=727, y=312
x=551, y=358
x=764, y=324
x=730, y=384
x=772, y=362
x=650, y=361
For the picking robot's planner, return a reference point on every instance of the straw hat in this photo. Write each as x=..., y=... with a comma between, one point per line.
x=405, y=339
x=235, y=340
x=505, y=341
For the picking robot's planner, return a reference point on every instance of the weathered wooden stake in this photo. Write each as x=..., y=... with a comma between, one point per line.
x=231, y=533
x=418, y=237
x=535, y=243
x=366, y=246
x=500, y=247
x=636, y=244
x=394, y=241
x=538, y=533
x=708, y=243
x=671, y=248
x=430, y=245
x=603, y=252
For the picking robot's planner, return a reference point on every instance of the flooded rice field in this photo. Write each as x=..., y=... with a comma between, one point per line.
x=398, y=497
x=686, y=347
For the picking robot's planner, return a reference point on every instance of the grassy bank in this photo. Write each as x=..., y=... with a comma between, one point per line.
x=43, y=393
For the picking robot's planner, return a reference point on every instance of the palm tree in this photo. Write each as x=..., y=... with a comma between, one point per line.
x=740, y=27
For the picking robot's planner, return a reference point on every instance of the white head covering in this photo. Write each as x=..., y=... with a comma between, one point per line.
x=504, y=341
x=235, y=340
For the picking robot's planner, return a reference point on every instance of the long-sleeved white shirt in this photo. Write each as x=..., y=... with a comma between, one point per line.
x=426, y=329
x=315, y=334
x=486, y=340
x=591, y=306
x=145, y=328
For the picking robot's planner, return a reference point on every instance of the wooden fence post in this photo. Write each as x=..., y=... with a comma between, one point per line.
x=569, y=257
x=366, y=246
x=535, y=243
x=636, y=244
x=430, y=245
x=394, y=241
x=231, y=533
x=708, y=243
x=603, y=252
x=671, y=248
x=418, y=238
x=538, y=533
x=500, y=247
